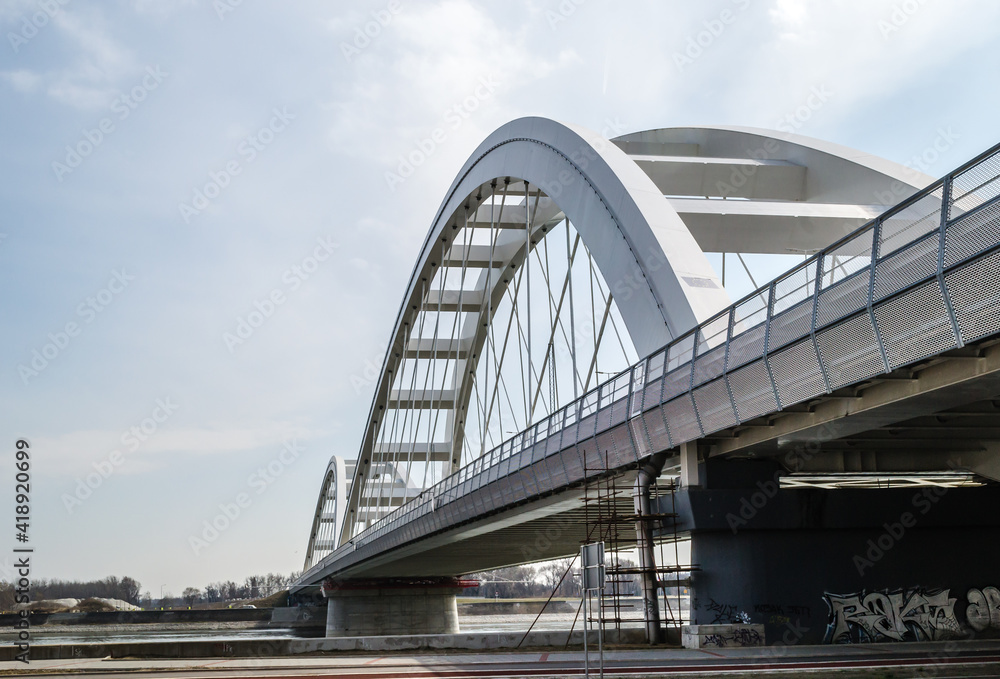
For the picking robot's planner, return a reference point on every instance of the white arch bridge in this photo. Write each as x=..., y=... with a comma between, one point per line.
x=559, y=258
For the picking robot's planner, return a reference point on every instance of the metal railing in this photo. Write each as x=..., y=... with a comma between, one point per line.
x=920, y=279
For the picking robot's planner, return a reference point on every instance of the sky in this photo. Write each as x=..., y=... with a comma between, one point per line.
x=168, y=167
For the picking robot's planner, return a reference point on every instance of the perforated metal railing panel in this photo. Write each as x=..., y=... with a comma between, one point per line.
x=921, y=279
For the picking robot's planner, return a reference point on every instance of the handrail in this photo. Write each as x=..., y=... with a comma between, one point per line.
x=699, y=347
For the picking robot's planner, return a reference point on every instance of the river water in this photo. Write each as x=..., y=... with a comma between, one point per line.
x=96, y=634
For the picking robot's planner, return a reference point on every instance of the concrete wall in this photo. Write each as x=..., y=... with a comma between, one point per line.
x=289, y=647
x=840, y=566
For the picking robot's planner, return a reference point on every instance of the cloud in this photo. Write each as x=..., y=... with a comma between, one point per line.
x=790, y=15
x=14, y=11
x=429, y=59
x=22, y=80
x=94, y=65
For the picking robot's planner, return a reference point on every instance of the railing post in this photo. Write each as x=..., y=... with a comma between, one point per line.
x=767, y=345
x=694, y=359
x=659, y=400
x=628, y=405
x=812, y=330
x=946, y=190
x=876, y=237
x=530, y=449
x=725, y=365
x=632, y=393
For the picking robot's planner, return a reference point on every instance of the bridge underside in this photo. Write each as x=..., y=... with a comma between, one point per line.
x=939, y=415
x=550, y=528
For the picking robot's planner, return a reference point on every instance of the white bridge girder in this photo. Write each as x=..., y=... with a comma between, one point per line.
x=646, y=206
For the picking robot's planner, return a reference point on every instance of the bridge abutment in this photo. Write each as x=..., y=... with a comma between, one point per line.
x=392, y=606
x=844, y=565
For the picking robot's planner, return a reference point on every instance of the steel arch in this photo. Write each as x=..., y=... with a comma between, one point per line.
x=596, y=184
x=328, y=518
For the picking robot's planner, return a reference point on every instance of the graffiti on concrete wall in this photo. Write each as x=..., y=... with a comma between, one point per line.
x=726, y=613
x=915, y=614
x=984, y=609
x=739, y=636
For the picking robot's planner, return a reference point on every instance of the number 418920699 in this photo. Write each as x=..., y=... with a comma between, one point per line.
x=23, y=487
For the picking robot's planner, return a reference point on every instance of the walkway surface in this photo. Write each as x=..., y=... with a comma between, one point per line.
x=936, y=659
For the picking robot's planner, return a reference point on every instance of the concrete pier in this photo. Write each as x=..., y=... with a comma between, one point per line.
x=392, y=606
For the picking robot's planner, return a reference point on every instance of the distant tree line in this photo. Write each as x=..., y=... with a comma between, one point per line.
x=541, y=580
x=126, y=589
x=253, y=587
x=129, y=590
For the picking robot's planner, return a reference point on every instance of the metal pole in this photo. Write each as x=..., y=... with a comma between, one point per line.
x=648, y=471
x=527, y=277
x=572, y=317
x=586, y=655
x=600, y=628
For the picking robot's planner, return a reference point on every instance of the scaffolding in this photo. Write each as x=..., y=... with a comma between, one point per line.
x=611, y=517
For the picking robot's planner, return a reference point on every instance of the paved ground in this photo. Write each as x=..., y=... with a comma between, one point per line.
x=964, y=659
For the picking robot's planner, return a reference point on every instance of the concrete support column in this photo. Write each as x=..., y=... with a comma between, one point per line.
x=690, y=472
x=392, y=606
